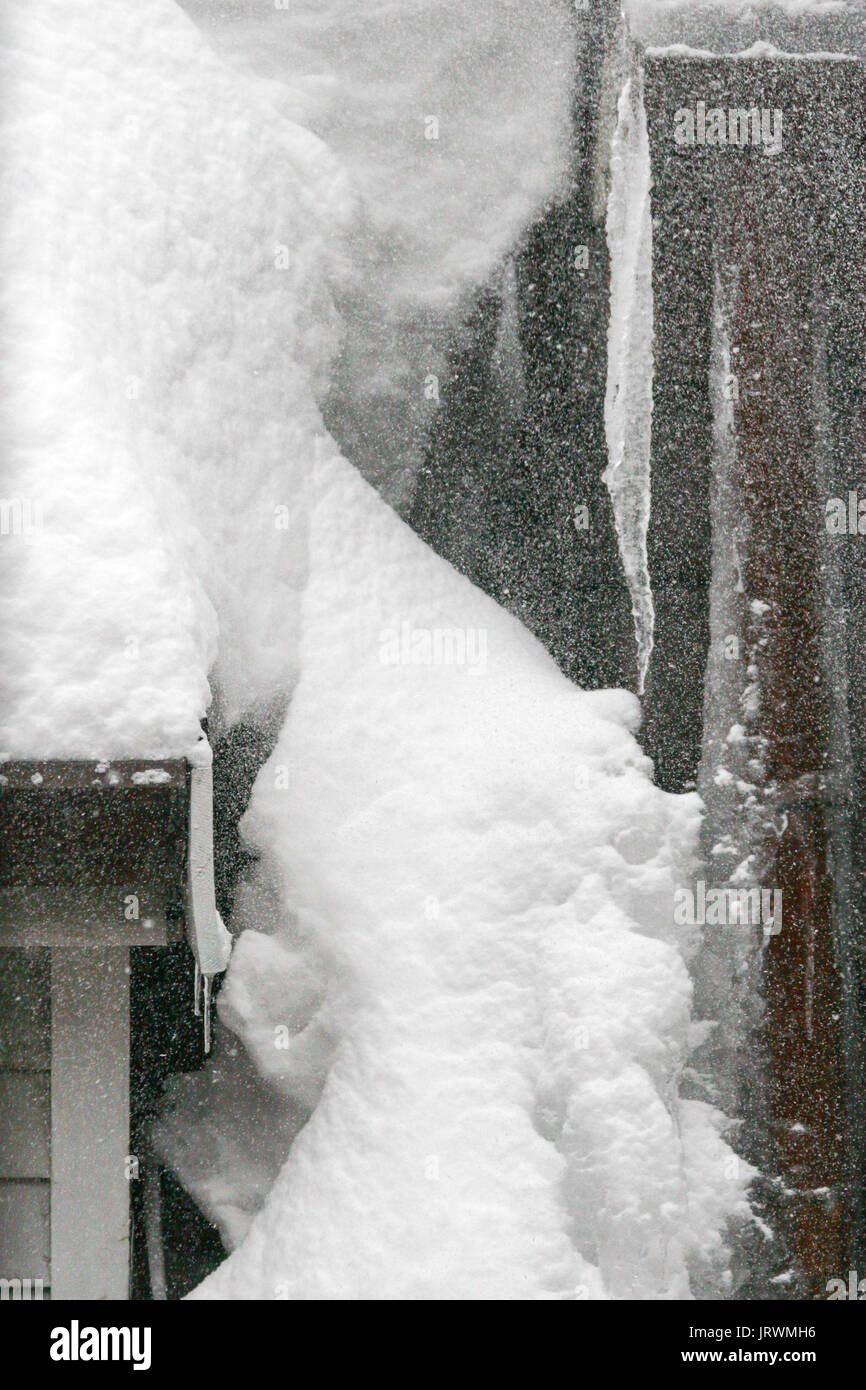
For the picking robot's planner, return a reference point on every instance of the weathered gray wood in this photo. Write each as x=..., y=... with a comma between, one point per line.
x=59, y=774
x=25, y=1124
x=25, y=1011
x=127, y=915
x=24, y=1231
x=90, y=1123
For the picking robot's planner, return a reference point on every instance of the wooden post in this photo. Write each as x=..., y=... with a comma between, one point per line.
x=779, y=232
x=25, y=1122
x=90, y=1123
x=763, y=232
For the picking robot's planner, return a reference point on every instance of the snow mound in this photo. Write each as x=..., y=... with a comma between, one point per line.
x=461, y=966
x=453, y=119
x=166, y=248
x=462, y=1004
x=435, y=107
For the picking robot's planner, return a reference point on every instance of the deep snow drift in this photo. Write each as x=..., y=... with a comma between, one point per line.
x=437, y=109
x=170, y=250
x=460, y=994
x=466, y=878
x=453, y=118
x=166, y=243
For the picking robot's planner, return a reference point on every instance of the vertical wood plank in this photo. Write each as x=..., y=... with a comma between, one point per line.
x=90, y=1123
x=787, y=250
x=25, y=1107
x=24, y=1238
x=765, y=230
x=25, y=1011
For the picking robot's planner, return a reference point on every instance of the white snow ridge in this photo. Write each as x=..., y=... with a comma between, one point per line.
x=458, y=1010
x=471, y=951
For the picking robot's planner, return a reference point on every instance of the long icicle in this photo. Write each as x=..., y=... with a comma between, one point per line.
x=628, y=400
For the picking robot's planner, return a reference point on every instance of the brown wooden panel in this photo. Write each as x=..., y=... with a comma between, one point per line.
x=783, y=233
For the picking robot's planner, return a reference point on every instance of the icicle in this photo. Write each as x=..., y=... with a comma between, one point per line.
x=208, y=981
x=628, y=401
x=202, y=1002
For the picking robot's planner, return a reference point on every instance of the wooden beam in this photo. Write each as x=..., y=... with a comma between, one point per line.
x=125, y=915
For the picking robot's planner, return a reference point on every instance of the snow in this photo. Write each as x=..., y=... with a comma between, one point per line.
x=369, y=78
x=759, y=49
x=750, y=28
x=790, y=7
x=458, y=965
x=160, y=379
x=458, y=1009
x=442, y=203
x=628, y=402
x=160, y=433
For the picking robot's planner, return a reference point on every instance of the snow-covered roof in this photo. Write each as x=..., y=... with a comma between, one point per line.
x=165, y=243
x=816, y=28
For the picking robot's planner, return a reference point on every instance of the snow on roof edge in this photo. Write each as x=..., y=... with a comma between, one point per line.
x=822, y=29
x=759, y=49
